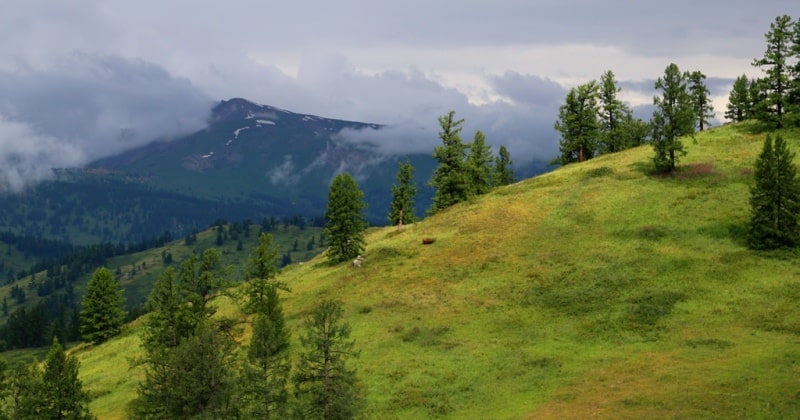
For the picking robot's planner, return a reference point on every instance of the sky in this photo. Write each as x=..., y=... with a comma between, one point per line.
x=85, y=79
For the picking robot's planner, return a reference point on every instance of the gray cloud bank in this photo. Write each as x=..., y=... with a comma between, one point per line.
x=87, y=106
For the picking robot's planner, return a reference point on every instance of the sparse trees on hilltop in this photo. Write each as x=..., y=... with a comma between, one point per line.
x=479, y=164
x=503, y=173
x=740, y=105
x=450, y=179
x=700, y=97
x=778, y=67
x=578, y=124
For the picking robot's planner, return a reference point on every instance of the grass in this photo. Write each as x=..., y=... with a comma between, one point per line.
x=597, y=290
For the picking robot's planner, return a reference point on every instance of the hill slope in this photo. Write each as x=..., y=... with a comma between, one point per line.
x=597, y=290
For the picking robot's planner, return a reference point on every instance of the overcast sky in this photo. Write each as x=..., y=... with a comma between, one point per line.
x=82, y=79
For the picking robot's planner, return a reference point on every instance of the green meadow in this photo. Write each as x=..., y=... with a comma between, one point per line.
x=597, y=290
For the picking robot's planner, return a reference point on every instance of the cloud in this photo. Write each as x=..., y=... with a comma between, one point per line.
x=94, y=106
x=27, y=158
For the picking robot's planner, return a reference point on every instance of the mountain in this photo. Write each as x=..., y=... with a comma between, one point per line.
x=268, y=158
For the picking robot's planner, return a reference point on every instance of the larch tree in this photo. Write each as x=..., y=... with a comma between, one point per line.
x=613, y=115
x=775, y=198
x=739, y=106
x=345, y=222
x=451, y=178
x=326, y=387
x=578, y=124
x=404, y=194
x=260, y=275
x=102, y=315
x=266, y=369
x=503, y=171
x=62, y=395
x=479, y=164
x=673, y=118
x=700, y=97
x=777, y=68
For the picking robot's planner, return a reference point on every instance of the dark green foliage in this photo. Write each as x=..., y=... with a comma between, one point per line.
x=700, y=97
x=404, y=193
x=451, y=178
x=326, y=388
x=613, y=116
x=775, y=198
x=777, y=67
x=673, y=118
x=503, y=173
x=740, y=105
x=199, y=280
x=578, y=124
x=266, y=369
x=262, y=267
x=344, y=219
x=62, y=395
x=479, y=164
x=102, y=315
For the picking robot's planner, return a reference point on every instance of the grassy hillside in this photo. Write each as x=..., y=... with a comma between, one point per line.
x=597, y=290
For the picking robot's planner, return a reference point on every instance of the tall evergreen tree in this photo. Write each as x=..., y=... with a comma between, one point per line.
x=262, y=268
x=266, y=369
x=62, y=395
x=673, y=118
x=777, y=67
x=326, y=387
x=102, y=315
x=700, y=97
x=479, y=164
x=200, y=279
x=578, y=124
x=613, y=115
x=794, y=51
x=23, y=388
x=344, y=219
x=775, y=198
x=450, y=179
x=503, y=172
x=404, y=193
x=739, y=103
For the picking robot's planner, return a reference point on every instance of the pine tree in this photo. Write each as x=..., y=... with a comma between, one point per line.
x=578, y=124
x=262, y=268
x=266, y=369
x=102, y=315
x=62, y=395
x=479, y=164
x=775, y=198
x=326, y=388
x=404, y=193
x=450, y=179
x=739, y=103
x=673, y=118
x=344, y=219
x=777, y=82
x=503, y=173
x=700, y=97
x=613, y=115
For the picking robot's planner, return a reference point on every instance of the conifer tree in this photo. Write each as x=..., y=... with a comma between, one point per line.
x=266, y=369
x=503, y=173
x=775, y=198
x=777, y=66
x=62, y=395
x=613, y=115
x=450, y=179
x=344, y=219
x=262, y=268
x=700, y=97
x=739, y=106
x=673, y=118
x=479, y=164
x=404, y=193
x=102, y=315
x=326, y=387
x=578, y=124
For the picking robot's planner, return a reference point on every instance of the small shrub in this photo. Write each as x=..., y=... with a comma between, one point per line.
x=599, y=172
x=428, y=241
